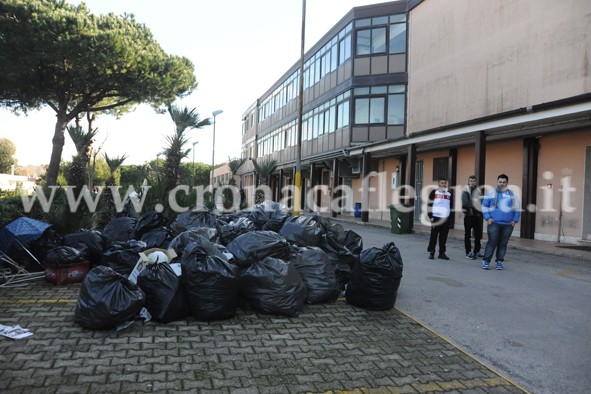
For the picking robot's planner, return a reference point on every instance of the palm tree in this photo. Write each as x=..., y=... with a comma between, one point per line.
x=108, y=211
x=228, y=194
x=114, y=163
x=184, y=119
x=234, y=165
x=83, y=143
x=264, y=168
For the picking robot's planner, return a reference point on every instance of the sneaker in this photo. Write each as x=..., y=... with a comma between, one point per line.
x=431, y=256
x=499, y=265
x=443, y=256
x=479, y=255
x=470, y=256
x=485, y=265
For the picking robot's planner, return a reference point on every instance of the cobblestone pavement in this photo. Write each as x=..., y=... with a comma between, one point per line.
x=332, y=348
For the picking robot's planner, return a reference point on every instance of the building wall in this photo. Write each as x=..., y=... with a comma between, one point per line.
x=381, y=195
x=469, y=59
x=562, y=166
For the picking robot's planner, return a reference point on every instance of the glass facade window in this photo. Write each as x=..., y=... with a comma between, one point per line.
x=362, y=111
x=380, y=105
x=397, y=39
x=381, y=35
x=343, y=114
x=363, y=42
x=345, y=49
x=369, y=110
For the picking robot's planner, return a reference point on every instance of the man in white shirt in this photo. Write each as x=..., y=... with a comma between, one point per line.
x=439, y=210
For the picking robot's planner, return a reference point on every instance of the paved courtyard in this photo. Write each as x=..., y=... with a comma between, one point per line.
x=327, y=348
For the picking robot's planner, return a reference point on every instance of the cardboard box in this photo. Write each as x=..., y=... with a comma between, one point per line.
x=143, y=261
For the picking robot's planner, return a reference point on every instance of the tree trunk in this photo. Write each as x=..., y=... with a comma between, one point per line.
x=58, y=146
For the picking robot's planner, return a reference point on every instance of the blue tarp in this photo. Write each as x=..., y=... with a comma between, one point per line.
x=21, y=230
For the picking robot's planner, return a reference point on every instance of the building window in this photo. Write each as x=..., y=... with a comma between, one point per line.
x=371, y=41
x=396, y=104
x=345, y=49
x=381, y=35
x=369, y=110
x=380, y=105
x=397, y=42
x=440, y=167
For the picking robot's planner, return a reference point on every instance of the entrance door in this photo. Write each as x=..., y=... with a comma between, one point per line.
x=418, y=188
x=587, y=197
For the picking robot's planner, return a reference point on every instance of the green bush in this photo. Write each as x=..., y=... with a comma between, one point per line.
x=11, y=207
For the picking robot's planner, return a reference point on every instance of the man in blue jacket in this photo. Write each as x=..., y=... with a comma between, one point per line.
x=501, y=212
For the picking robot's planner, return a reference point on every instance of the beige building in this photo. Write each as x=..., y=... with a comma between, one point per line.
x=222, y=175
x=400, y=93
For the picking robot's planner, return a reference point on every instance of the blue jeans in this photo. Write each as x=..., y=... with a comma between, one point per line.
x=498, y=238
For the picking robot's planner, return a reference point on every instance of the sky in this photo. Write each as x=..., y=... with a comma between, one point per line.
x=238, y=48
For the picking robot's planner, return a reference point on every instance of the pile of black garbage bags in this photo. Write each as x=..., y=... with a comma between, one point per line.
x=261, y=258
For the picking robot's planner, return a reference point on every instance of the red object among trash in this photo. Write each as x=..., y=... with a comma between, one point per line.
x=66, y=274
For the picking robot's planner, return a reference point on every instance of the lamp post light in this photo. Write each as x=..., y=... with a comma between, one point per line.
x=214, y=113
x=193, y=166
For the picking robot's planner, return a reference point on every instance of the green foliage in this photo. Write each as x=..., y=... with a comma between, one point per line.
x=264, y=168
x=78, y=172
x=234, y=165
x=134, y=175
x=201, y=173
x=184, y=120
x=7, y=152
x=102, y=172
x=65, y=221
x=57, y=54
x=11, y=207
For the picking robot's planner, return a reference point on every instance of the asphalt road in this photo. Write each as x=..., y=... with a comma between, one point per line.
x=531, y=322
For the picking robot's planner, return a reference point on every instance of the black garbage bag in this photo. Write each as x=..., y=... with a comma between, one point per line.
x=348, y=238
x=302, y=230
x=120, y=229
x=123, y=256
x=268, y=215
x=375, y=279
x=90, y=243
x=256, y=245
x=234, y=228
x=341, y=257
x=165, y=296
x=229, y=256
x=190, y=219
x=107, y=299
x=148, y=222
x=353, y=242
x=210, y=282
x=273, y=286
x=157, y=238
x=179, y=242
x=63, y=256
x=318, y=274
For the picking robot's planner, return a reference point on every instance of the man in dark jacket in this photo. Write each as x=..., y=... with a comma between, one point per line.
x=472, y=218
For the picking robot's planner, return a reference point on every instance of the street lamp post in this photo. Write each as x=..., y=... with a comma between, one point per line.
x=192, y=179
x=297, y=200
x=214, y=113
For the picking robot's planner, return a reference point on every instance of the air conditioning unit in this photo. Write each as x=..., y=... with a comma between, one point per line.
x=356, y=170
